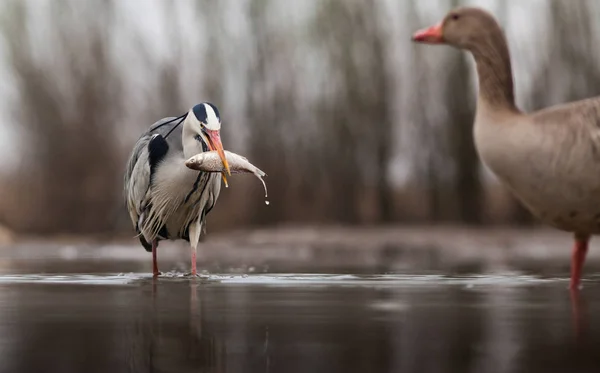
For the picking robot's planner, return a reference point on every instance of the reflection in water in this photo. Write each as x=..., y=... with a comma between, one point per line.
x=578, y=311
x=362, y=324
x=174, y=335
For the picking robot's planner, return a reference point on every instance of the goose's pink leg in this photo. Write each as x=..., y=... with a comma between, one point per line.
x=579, y=251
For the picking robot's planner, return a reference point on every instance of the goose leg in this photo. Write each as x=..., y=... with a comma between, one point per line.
x=155, y=271
x=579, y=251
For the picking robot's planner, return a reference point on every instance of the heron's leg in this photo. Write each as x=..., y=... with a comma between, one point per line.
x=155, y=271
x=194, y=239
x=193, y=257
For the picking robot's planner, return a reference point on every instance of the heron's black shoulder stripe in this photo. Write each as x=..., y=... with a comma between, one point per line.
x=203, y=189
x=195, y=187
x=157, y=149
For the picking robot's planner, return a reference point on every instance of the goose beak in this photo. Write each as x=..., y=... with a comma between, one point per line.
x=214, y=143
x=431, y=35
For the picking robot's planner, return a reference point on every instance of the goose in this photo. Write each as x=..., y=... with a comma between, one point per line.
x=548, y=159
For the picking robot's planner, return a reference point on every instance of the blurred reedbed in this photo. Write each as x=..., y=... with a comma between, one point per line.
x=351, y=123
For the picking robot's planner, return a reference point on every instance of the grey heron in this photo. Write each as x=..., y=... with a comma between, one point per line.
x=167, y=200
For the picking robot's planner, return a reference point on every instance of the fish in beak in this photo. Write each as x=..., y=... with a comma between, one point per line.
x=214, y=143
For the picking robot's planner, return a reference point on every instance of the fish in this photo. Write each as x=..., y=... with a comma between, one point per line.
x=211, y=162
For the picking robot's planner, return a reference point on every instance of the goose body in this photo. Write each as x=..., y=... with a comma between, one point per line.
x=549, y=159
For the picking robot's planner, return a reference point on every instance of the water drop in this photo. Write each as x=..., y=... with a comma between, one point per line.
x=267, y=203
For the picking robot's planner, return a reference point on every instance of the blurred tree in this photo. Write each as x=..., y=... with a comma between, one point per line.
x=270, y=109
x=381, y=96
x=69, y=105
x=316, y=89
x=430, y=154
x=357, y=136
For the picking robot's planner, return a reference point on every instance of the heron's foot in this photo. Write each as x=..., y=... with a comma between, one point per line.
x=156, y=274
x=203, y=276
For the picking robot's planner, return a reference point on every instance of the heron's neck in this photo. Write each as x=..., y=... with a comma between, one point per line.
x=190, y=145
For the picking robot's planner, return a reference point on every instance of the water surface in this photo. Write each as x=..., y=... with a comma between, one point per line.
x=77, y=313
x=295, y=323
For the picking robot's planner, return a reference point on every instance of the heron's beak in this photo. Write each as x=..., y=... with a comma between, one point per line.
x=214, y=143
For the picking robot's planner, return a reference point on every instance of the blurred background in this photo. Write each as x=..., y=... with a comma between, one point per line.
x=352, y=122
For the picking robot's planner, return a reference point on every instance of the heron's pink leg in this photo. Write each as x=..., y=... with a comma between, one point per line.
x=155, y=272
x=194, y=272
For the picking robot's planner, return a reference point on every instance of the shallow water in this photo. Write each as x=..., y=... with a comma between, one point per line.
x=73, y=320
x=295, y=323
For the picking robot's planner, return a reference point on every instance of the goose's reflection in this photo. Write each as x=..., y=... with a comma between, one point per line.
x=578, y=312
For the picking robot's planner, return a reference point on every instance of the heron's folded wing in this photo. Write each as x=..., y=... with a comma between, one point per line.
x=146, y=155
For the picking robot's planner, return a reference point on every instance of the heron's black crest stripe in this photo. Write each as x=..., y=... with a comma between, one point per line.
x=169, y=121
x=200, y=111
x=157, y=149
x=182, y=118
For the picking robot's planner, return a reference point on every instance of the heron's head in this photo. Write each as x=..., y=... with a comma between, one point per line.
x=206, y=121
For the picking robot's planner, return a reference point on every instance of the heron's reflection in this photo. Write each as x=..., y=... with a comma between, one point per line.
x=176, y=332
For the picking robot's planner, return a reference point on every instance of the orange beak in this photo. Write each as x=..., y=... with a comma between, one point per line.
x=214, y=143
x=431, y=35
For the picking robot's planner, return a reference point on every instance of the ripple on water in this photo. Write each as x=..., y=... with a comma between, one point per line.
x=85, y=279
x=290, y=279
x=382, y=280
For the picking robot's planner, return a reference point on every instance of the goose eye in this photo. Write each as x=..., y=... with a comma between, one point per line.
x=455, y=17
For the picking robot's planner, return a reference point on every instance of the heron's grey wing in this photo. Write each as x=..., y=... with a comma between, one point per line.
x=137, y=175
x=137, y=179
x=147, y=154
